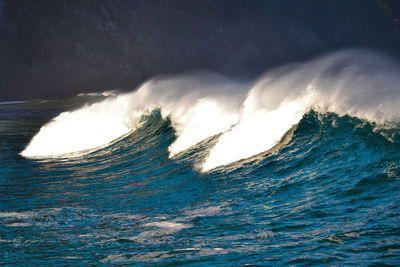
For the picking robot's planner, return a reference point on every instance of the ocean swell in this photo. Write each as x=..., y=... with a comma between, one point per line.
x=250, y=116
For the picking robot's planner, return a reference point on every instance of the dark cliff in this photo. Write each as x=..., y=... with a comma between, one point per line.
x=57, y=48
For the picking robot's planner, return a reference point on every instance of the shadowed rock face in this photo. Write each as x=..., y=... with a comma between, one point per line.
x=57, y=48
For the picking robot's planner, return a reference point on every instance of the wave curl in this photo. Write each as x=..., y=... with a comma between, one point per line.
x=250, y=116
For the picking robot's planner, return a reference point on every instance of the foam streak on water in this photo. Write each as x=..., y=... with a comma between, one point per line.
x=210, y=171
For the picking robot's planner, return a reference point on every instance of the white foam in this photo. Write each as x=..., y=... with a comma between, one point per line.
x=19, y=225
x=18, y=215
x=83, y=129
x=105, y=93
x=200, y=212
x=359, y=83
x=195, y=104
x=170, y=225
x=257, y=131
x=192, y=127
x=252, y=116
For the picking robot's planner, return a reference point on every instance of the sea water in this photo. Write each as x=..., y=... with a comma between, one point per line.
x=300, y=166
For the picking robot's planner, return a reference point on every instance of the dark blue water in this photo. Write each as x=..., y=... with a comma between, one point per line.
x=328, y=193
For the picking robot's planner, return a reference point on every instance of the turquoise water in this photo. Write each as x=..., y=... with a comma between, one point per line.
x=301, y=167
x=329, y=195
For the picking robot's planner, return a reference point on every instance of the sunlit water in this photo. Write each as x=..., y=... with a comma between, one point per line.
x=203, y=178
x=329, y=195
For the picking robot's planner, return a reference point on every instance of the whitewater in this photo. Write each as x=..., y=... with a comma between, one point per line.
x=300, y=166
x=251, y=117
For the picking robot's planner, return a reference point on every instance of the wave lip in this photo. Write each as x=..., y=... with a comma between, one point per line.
x=84, y=129
x=190, y=101
x=254, y=134
x=251, y=117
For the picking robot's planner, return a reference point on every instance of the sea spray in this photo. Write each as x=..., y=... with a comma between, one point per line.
x=81, y=130
x=252, y=116
x=200, y=105
x=360, y=83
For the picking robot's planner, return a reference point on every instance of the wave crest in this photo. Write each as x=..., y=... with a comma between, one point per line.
x=252, y=116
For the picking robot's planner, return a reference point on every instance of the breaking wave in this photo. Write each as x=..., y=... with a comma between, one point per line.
x=249, y=117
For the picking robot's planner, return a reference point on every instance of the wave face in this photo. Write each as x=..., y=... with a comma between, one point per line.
x=327, y=193
x=300, y=167
x=251, y=117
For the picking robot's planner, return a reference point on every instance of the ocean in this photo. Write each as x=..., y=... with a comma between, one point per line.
x=300, y=166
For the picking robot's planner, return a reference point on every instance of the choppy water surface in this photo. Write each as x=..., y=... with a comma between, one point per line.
x=327, y=193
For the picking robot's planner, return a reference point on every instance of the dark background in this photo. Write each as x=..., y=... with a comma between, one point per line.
x=57, y=48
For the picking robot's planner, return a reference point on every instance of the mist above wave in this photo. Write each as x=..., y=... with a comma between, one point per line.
x=252, y=116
